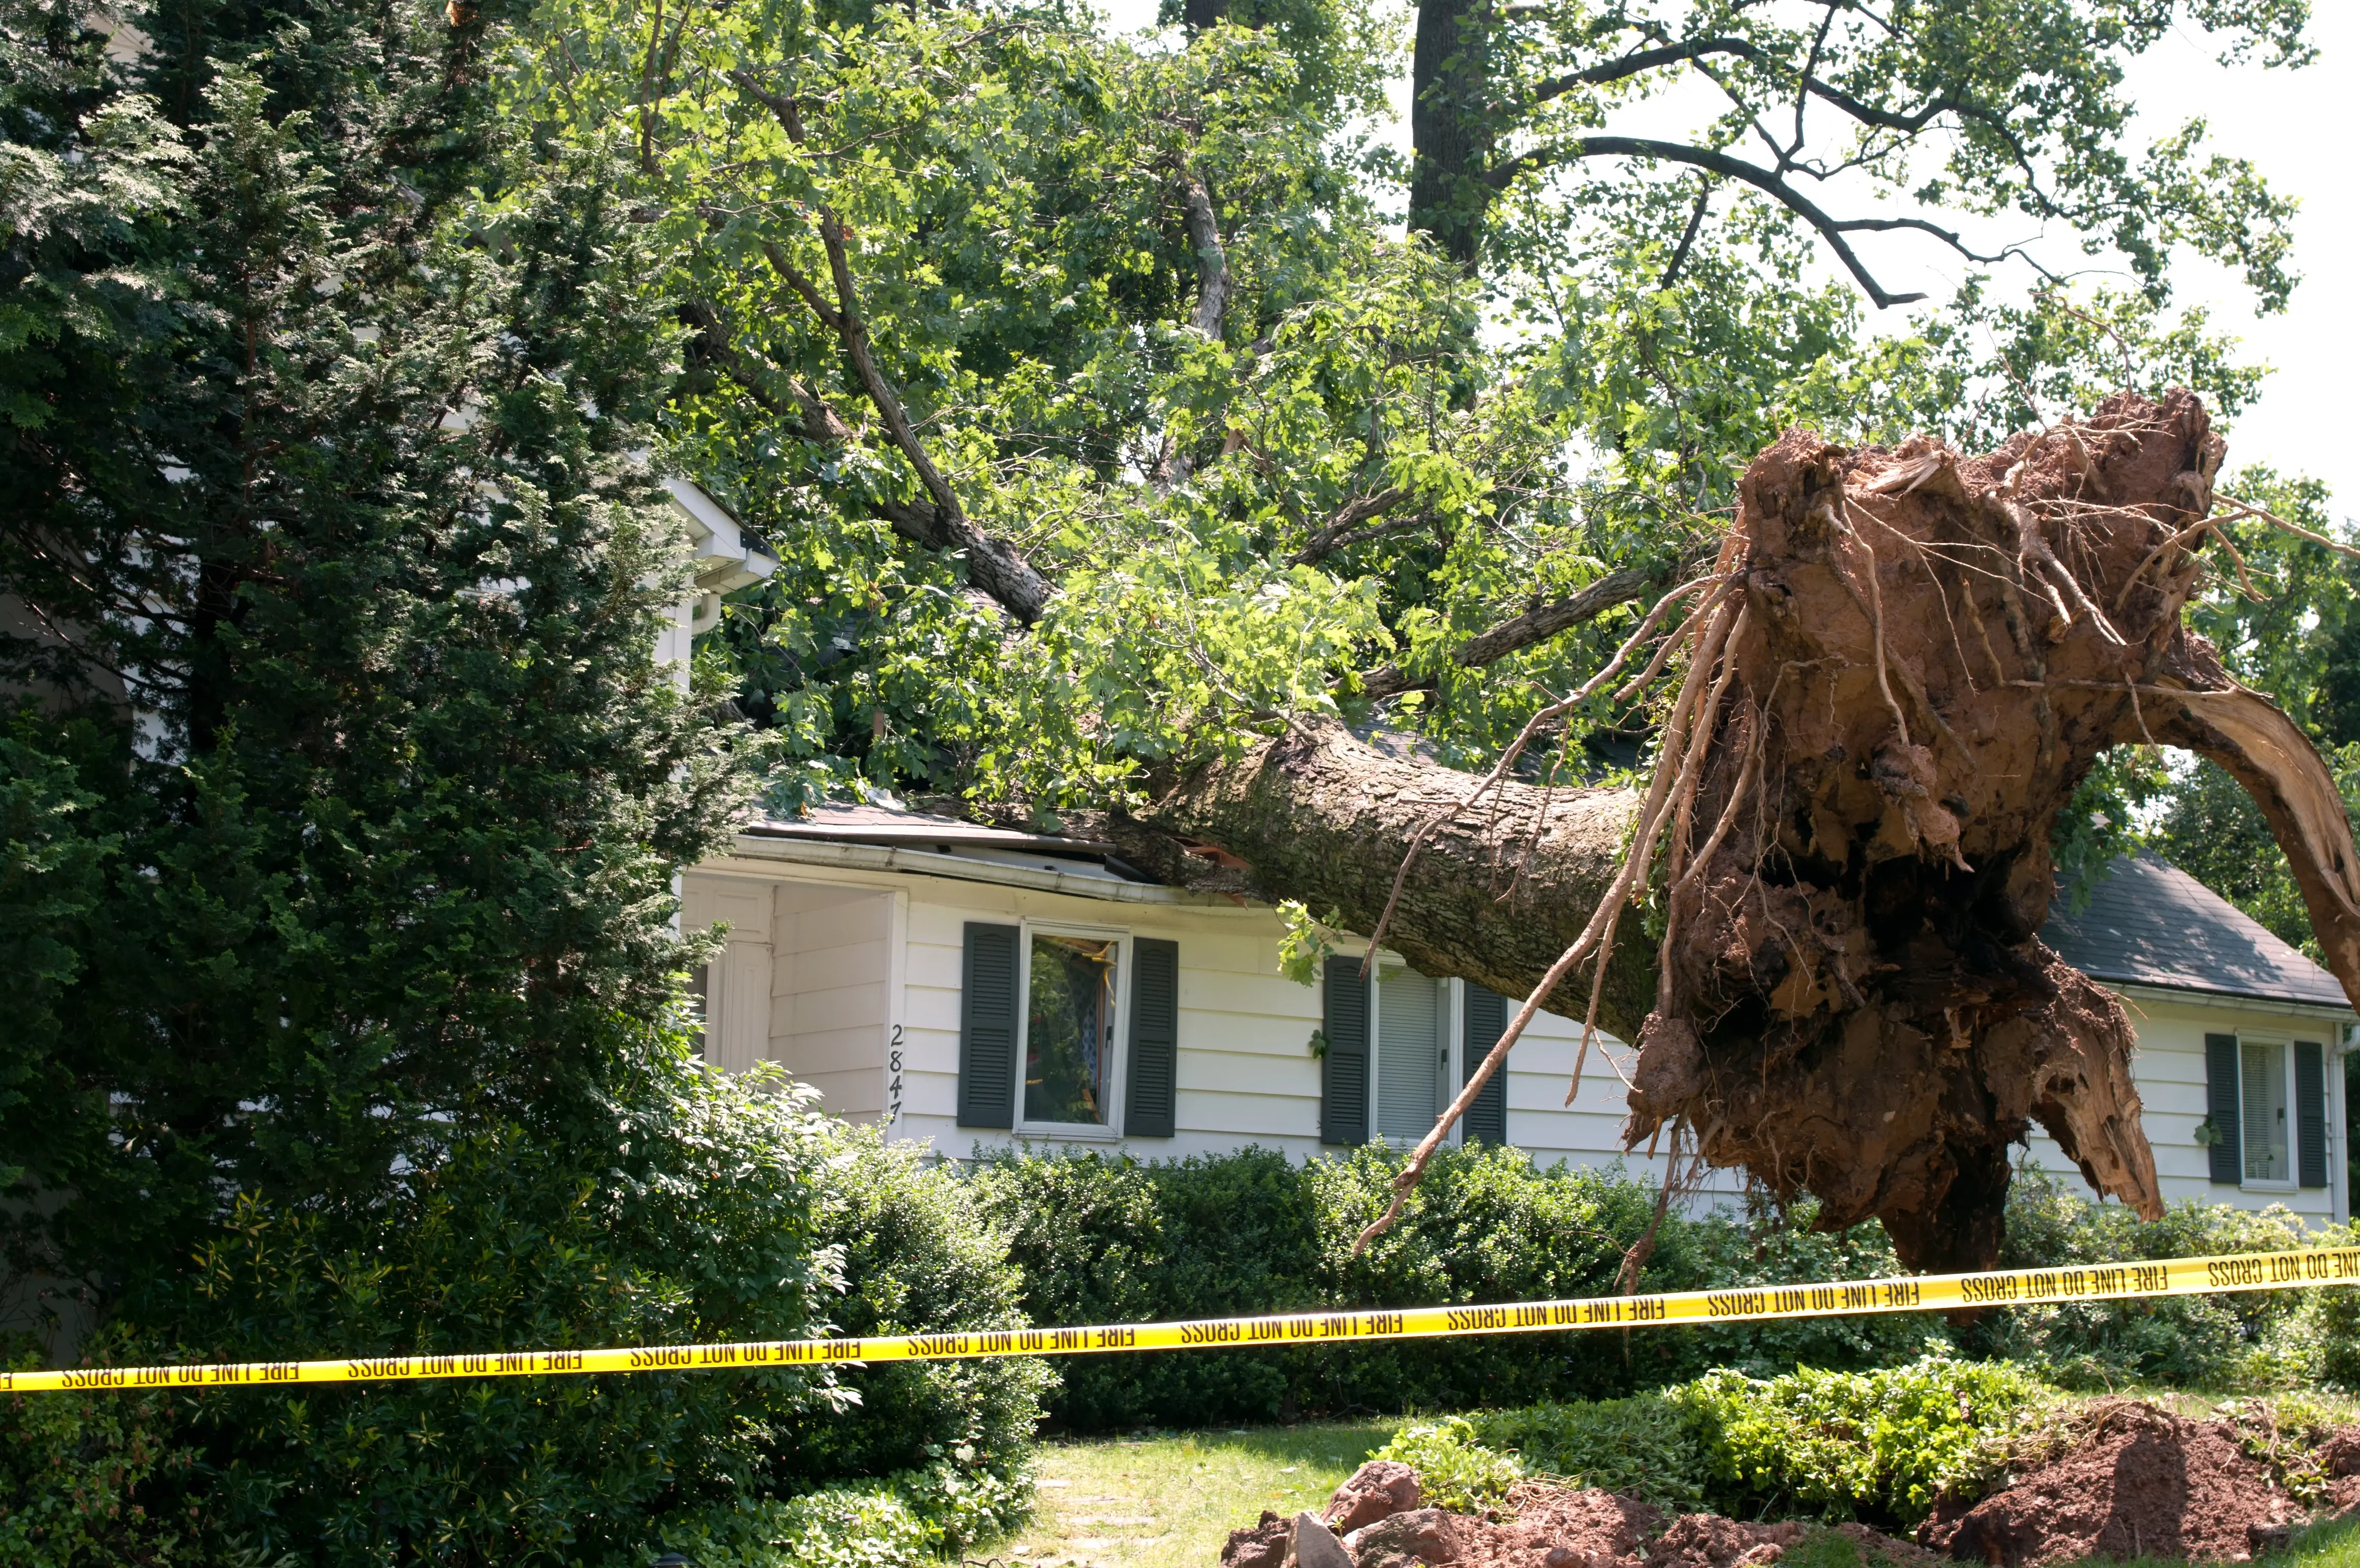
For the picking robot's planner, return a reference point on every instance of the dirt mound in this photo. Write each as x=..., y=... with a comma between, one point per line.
x=1553, y=1527
x=1709, y=1541
x=2142, y=1482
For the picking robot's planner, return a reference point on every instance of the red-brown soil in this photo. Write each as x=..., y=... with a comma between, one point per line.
x=2137, y=1481
x=2142, y=1482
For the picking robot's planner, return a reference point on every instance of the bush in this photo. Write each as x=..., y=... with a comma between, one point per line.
x=2251, y=1341
x=95, y=1478
x=918, y=1258
x=1104, y=1239
x=724, y=1210
x=1455, y=1468
x=1880, y=1445
x=1646, y=1446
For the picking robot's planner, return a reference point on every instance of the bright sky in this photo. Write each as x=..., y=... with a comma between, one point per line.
x=2299, y=127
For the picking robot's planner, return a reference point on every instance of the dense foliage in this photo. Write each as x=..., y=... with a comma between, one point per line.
x=2264, y=1341
x=1118, y=335
x=1881, y=1446
x=724, y=1213
x=1102, y=1239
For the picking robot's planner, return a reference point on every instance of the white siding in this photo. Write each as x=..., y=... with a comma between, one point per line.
x=862, y=953
x=830, y=995
x=737, y=985
x=807, y=979
x=2168, y=1069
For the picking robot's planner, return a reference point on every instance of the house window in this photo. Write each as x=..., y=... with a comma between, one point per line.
x=1412, y=1053
x=1069, y=1028
x=2264, y=1122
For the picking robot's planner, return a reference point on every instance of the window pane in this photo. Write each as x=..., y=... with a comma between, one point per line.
x=2264, y=1093
x=1410, y=1053
x=1069, y=1029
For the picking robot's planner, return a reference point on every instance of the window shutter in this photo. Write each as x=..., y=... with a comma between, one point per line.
x=1483, y=1016
x=987, y=1086
x=2221, y=1107
x=1148, y=1110
x=1344, y=1070
x=2310, y=1113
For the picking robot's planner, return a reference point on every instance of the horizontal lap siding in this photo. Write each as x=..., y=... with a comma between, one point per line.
x=1245, y=1073
x=2168, y=1069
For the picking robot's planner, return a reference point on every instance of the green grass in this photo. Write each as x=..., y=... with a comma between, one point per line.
x=1170, y=1499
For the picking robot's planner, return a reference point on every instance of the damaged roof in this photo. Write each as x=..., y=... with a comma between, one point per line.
x=2149, y=923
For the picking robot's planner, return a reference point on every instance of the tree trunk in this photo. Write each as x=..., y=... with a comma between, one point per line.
x=1924, y=655
x=1448, y=126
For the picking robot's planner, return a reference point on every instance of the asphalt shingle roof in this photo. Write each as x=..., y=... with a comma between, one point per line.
x=2149, y=923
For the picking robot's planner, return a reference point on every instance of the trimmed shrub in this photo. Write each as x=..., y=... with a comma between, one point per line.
x=2243, y=1341
x=918, y=1257
x=1104, y=1239
x=726, y=1208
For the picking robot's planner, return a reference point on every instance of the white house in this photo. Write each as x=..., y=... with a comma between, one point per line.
x=907, y=964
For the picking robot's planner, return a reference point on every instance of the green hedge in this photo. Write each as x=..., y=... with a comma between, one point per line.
x=726, y=1210
x=2247, y=1342
x=1104, y=1239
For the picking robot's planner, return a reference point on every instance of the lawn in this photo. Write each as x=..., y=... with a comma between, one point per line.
x=1170, y=1499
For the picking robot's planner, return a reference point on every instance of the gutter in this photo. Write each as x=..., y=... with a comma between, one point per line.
x=2322, y=1010
x=959, y=868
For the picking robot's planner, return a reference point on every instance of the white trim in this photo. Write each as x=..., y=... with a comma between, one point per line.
x=2339, y=1173
x=959, y=868
x=1454, y=1024
x=2245, y=1142
x=2166, y=995
x=1118, y=1049
x=895, y=1060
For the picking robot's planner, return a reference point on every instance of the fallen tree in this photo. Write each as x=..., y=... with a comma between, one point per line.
x=1901, y=666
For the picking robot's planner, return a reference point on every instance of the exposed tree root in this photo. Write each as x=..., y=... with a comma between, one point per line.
x=1902, y=667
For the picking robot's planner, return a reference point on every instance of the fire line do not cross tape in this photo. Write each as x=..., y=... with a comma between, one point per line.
x=1921, y=1293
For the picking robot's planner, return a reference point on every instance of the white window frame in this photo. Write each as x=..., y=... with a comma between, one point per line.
x=2285, y=1043
x=1111, y=1131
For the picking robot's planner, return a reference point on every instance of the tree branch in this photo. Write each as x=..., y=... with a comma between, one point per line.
x=992, y=564
x=1173, y=466
x=1642, y=60
x=1537, y=624
x=1339, y=530
x=1831, y=229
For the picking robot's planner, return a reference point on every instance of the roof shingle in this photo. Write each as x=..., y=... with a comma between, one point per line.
x=2149, y=923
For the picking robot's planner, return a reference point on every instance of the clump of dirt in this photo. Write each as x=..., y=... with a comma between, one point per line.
x=1709, y=1541
x=1556, y=1527
x=2140, y=1482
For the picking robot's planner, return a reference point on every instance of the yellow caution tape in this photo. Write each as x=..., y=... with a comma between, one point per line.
x=1922, y=1293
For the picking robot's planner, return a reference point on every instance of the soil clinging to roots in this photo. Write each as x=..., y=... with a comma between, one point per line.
x=1926, y=655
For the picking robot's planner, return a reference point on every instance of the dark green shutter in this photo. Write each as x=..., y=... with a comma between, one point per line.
x=1149, y=1109
x=987, y=1087
x=2310, y=1113
x=1344, y=1070
x=1484, y=1018
x=2221, y=1105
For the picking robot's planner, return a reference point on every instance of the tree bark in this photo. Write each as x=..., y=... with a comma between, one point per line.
x=1449, y=139
x=1924, y=655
